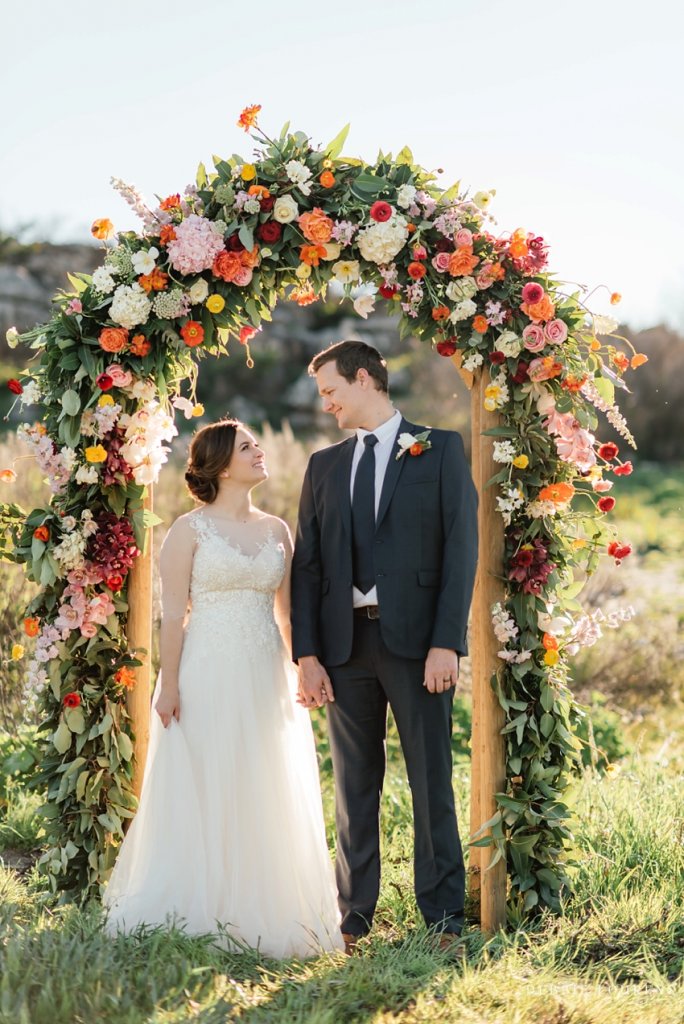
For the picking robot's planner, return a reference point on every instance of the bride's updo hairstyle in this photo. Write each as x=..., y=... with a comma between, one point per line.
x=211, y=450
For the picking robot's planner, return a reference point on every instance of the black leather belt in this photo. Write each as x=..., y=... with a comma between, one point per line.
x=368, y=611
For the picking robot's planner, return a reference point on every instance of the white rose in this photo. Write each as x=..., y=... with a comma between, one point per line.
x=462, y=289
x=509, y=343
x=144, y=261
x=346, y=271
x=198, y=292
x=285, y=210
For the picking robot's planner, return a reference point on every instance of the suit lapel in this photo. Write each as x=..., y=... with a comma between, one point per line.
x=343, y=475
x=394, y=469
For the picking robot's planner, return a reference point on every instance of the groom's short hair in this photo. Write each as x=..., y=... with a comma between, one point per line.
x=351, y=356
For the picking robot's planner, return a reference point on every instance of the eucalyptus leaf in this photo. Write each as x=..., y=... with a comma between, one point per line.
x=61, y=738
x=71, y=403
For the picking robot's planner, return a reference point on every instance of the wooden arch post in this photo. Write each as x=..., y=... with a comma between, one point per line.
x=488, y=763
x=139, y=633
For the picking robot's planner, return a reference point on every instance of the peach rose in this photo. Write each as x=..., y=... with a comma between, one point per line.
x=243, y=276
x=462, y=262
x=120, y=378
x=556, y=331
x=316, y=226
x=113, y=339
x=463, y=238
x=540, y=311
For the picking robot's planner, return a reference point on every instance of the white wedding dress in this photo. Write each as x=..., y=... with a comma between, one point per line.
x=229, y=835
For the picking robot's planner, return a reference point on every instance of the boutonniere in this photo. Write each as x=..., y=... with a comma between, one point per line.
x=414, y=445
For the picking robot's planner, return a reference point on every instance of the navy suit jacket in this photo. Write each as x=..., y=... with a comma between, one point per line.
x=425, y=552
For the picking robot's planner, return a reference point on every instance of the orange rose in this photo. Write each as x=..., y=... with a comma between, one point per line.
x=541, y=311
x=113, y=339
x=327, y=179
x=480, y=325
x=167, y=234
x=140, y=345
x=42, y=533
x=31, y=626
x=312, y=254
x=102, y=229
x=638, y=360
x=227, y=265
x=249, y=258
x=462, y=262
x=440, y=313
x=558, y=493
x=316, y=226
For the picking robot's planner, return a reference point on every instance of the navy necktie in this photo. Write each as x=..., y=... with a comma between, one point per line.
x=363, y=517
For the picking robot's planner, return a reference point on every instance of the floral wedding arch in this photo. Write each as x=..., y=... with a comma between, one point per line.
x=121, y=351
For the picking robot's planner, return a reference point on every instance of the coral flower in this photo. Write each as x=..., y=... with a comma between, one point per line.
x=125, y=677
x=558, y=493
x=416, y=271
x=327, y=179
x=480, y=325
x=517, y=246
x=303, y=296
x=192, y=333
x=623, y=470
x=102, y=229
x=71, y=700
x=312, y=254
x=156, y=281
x=416, y=449
x=621, y=361
x=615, y=298
x=248, y=117
x=246, y=334
x=113, y=339
x=440, y=313
x=140, y=345
x=550, y=643
x=171, y=202
x=31, y=626
x=42, y=533
x=7, y=476
x=167, y=234
x=260, y=191
x=462, y=261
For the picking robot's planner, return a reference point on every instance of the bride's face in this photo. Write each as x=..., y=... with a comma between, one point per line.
x=247, y=464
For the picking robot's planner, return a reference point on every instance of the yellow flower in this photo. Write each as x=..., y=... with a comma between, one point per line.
x=17, y=652
x=579, y=543
x=198, y=410
x=105, y=400
x=551, y=658
x=96, y=453
x=215, y=303
x=303, y=271
x=248, y=172
x=489, y=404
x=521, y=462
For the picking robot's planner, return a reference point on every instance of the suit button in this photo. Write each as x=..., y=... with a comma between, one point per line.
x=380, y=574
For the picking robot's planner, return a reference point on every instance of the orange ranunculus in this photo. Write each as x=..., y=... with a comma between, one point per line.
x=140, y=345
x=463, y=261
x=440, y=313
x=316, y=226
x=480, y=325
x=550, y=643
x=312, y=254
x=327, y=179
x=258, y=190
x=227, y=265
x=638, y=360
x=497, y=272
x=102, y=229
x=156, y=281
x=518, y=244
x=539, y=312
x=621, y=361
x=32, y=626
x=167, y=234
x=113, y=339
x=573, y=384
x=42, y=533
x=249, y=257
x=192, y=333
x=248, y=117
x=558, y=493
x=171, y=202
x=303, y=296
x=125, y=677
x=416, y=271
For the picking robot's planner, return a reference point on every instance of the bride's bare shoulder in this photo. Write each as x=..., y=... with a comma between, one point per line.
x=183, y=530
x=279, y=527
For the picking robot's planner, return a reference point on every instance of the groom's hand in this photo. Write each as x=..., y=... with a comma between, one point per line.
x=315, y=688
x=441, y=669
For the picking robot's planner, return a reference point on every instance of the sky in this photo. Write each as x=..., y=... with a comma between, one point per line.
x=573, y=112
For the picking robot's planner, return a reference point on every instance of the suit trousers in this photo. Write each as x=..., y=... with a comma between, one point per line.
x=364, y=686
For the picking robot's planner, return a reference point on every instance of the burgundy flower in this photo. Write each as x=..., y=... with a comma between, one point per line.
x=447, y=347
x=522, y=373
x=112, y=549
x=271, y=231
x=234, y=244
x=606, y=504
x=443, y=245
x=388, y=290
x=497, y=357
x=608, y=451
x=267, y=204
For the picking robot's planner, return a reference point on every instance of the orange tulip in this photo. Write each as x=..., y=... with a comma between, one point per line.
x=102, y=229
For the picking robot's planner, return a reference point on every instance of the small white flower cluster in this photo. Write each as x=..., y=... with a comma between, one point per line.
x=587, y=629
x=143, y=450
x=299, y=174
x=30, y=394
x=613, y=414
x=508, y=503
x=503, y=624
x=135, y=200
x=406, y=195
x=87, y=474
x=465, y=309
x=472, y=361
x=171, y=304
x=102, y=280
x=504, y=451
x=130, y=306
x=105, y=417
x=539, y=509
x=57, y=465
x=70, y=551
x=380, y=241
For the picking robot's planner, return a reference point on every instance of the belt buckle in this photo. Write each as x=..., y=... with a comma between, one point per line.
x=372, y=611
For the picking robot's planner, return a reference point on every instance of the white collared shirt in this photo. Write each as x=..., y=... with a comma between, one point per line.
x=386, y=434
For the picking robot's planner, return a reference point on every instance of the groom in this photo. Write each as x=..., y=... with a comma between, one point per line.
x=382, y=579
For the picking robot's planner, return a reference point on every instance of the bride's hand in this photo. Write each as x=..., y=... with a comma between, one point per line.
x=168, y=706
x=315, y=688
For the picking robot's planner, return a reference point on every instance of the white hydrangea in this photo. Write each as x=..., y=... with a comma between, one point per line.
x=299, y=175
x=102, y=281
x=461, y=289
x=380, y=242
x=130, y=306
x=504, y=451
x=463, y=311
x=405, y=196
x=144, y=261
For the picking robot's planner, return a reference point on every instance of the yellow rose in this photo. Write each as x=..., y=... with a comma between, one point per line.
x=17, y=652
x=303, y=271
x=198, y=410
x=215, y=303
x=96, y=453
x=105, y=400
x=248, y=172
x=521, y=462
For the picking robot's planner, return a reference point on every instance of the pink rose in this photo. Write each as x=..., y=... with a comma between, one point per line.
x=441, y=262
x=534, y=338
x=484, y=279
x=463, y=237
x=556, y=331
x=121, y=378
x=532, y=293
x=243, y=276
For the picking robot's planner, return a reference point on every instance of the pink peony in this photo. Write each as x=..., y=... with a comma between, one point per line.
x=556, y=331
x=120, y=378
x=195, y=246
x=532, y=293
x=534, y=339
x=463, y=237
x=441, y=262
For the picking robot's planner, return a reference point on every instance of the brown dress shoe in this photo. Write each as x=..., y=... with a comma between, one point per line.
x=451, y=943
x=350, y=942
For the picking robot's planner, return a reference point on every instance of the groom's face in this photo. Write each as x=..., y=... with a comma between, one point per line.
x=346, y=401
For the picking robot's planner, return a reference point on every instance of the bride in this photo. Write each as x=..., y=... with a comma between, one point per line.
x=229, y=834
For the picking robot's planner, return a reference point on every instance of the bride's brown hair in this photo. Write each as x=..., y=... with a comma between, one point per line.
x=211, y=450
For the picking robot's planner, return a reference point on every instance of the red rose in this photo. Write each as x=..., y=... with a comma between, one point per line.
x=270, y=231
x=624, y=470
x=608, y=451
x=104, y=382
x=267, y=203
x=447, y=347
x=388, y=290
x=15, y=386
x=497, y=357
x=606, y=504
x=115, y=582
x=381, y=211
x=71, y=700
x=234, y=244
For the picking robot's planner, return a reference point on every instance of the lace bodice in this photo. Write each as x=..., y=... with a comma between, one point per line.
x=231, y=590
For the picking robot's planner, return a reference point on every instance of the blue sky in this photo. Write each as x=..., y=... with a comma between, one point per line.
x=571, y=111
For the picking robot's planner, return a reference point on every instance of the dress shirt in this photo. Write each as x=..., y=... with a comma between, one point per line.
x=386, y=434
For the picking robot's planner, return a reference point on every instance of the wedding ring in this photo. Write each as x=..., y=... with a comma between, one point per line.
x=446, y=679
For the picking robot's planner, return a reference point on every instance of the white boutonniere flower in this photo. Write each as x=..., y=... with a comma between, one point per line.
x=413, y=444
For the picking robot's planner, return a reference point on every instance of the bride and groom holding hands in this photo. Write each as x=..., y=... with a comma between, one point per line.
x=371, y=606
